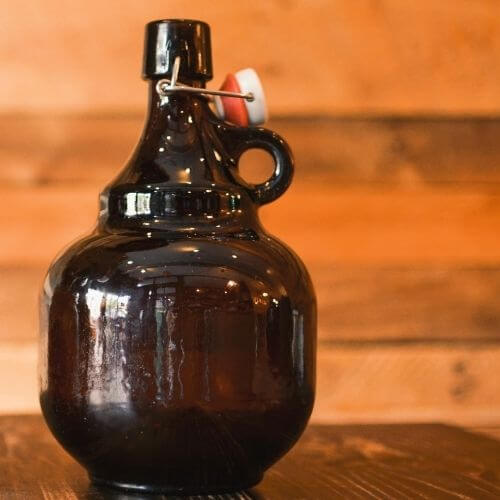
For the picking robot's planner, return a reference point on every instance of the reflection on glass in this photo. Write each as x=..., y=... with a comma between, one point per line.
x=137, y=204
x=298, y=344
x=107, y=315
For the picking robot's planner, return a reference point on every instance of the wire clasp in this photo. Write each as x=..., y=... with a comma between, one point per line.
x=164, y=87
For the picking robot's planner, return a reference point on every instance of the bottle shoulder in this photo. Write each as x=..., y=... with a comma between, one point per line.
x=130, y=260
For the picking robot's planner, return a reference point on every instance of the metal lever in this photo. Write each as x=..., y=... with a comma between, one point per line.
x=165, y=87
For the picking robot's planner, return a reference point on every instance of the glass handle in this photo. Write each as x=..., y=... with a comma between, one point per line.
x=241, y=139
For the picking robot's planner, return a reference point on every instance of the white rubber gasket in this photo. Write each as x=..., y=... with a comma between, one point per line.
x=249, y=81
x=219, y=108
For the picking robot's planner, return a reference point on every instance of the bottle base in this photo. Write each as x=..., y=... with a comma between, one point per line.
x=165, y=489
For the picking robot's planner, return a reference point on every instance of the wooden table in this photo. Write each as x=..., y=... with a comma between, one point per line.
x=351, y=461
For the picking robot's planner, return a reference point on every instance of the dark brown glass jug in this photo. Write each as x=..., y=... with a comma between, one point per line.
x=178, y=338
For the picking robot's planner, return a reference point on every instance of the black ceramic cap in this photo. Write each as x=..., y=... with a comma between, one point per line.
x=169, y=38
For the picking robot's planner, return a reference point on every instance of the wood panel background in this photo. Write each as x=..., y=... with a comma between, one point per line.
x=395, y=204
x=315, y=56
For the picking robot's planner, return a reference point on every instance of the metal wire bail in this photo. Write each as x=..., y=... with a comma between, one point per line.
x=164, y=87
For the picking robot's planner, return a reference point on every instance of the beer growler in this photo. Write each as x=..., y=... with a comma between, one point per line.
x=178, y=337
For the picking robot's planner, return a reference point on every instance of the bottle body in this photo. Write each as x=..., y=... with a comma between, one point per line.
x=197, y=374
x=178, y=339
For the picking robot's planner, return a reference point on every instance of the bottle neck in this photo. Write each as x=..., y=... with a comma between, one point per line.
x=170, y=117
x=179, y=143
x=162, y=110
x=179, y=174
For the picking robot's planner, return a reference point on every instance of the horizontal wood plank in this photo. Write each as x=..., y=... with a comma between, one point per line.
x=390, y=226
x=491, y=431
x=355, y=304
x=82, y=149
x=408, y=383
x=407, y=303
x=18, y=377
x=360, y=57
x=322, y=224
x=19, y=290
x=64, y=149
x=375, y=383
x=39, y=222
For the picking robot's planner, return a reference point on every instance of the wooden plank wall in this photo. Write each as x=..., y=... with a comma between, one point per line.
x=394, y=207
x=316, y=56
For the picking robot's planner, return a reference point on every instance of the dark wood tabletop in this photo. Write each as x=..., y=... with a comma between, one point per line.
x=342, y=461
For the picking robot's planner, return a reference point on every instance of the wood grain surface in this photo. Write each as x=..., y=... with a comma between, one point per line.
x=315, y=56
x=355, y=461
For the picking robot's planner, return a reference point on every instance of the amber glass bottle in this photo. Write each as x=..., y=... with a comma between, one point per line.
x=178, y=338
